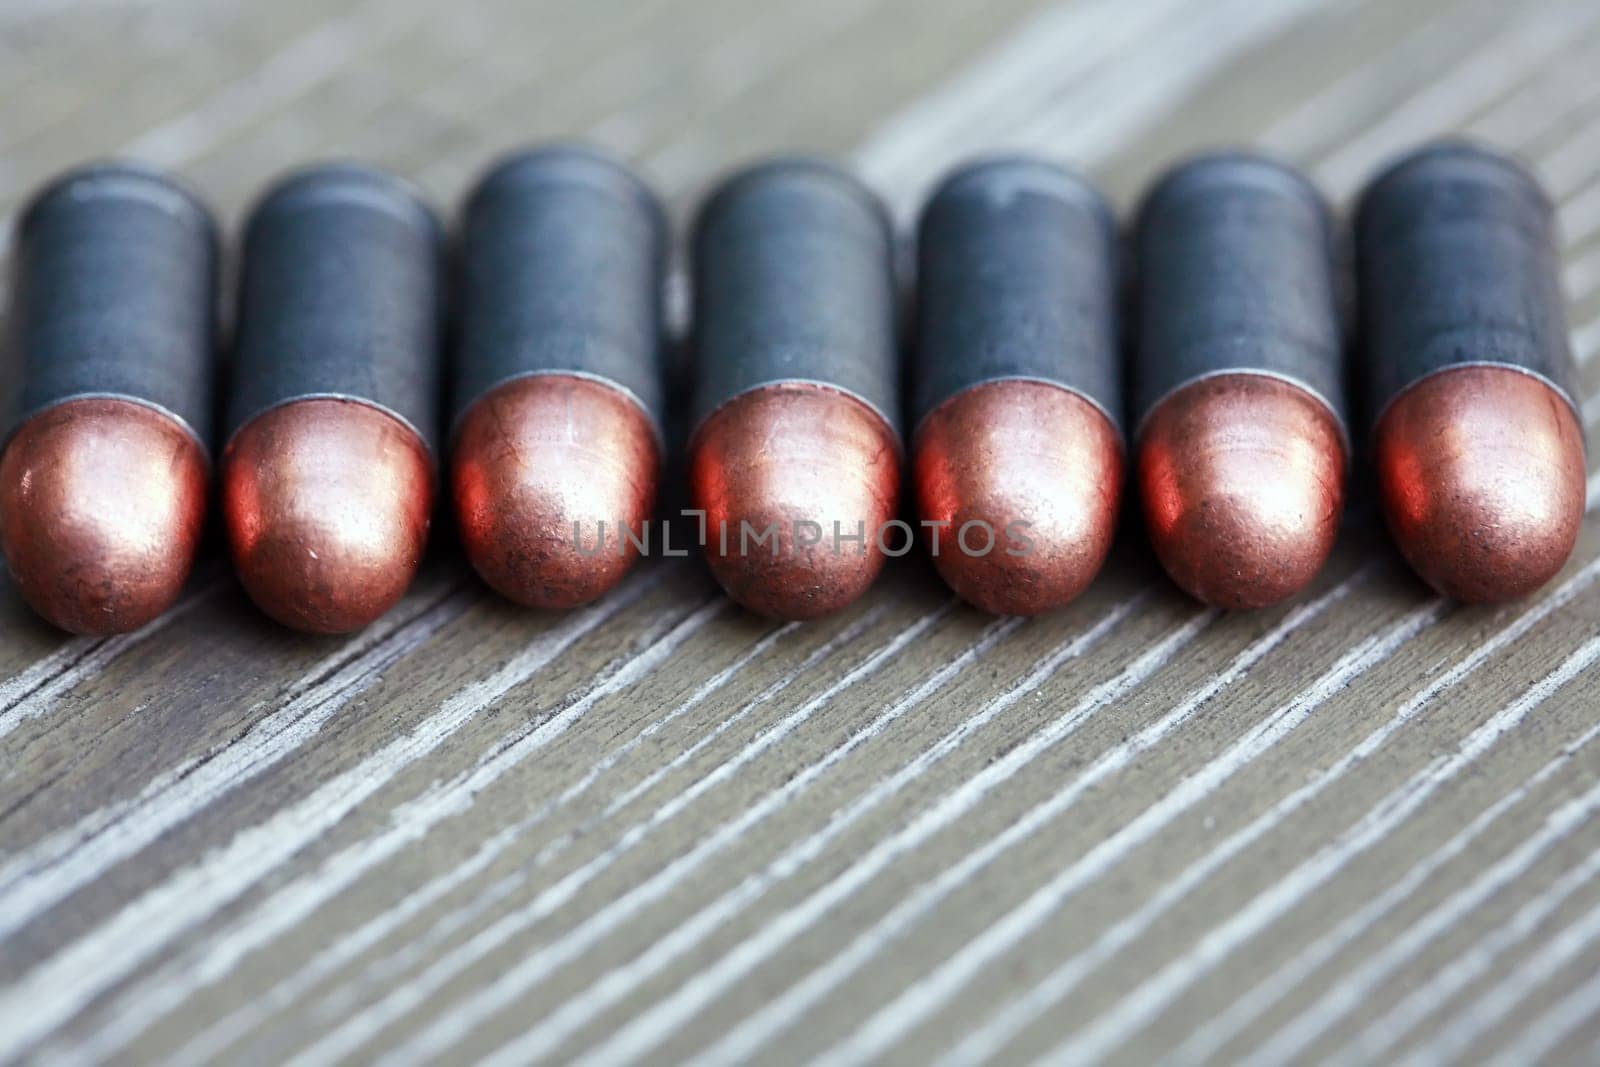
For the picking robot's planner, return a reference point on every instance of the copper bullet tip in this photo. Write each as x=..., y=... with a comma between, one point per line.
x=796, y=459
x=551, y=475
x=102, y=505
x=1033, y=473
x=1481, y=474
x=326, y=504
x=1242, y=481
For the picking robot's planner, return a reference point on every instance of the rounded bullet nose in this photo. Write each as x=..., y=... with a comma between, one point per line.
x=1242, y=481
x=797, y=483
x=102, y=506
x=554, y=480
x=326, y=505
x=1023, y=480
x=1481, y=474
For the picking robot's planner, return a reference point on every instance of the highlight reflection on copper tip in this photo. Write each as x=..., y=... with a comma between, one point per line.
x=102, y=505
x=538, y=456
x=327, y=505
x=1242, y=480
x=794, y=453
x=1481, y=472
x=1019, y=452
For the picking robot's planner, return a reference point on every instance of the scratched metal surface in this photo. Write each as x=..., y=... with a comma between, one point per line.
x=1357, y=827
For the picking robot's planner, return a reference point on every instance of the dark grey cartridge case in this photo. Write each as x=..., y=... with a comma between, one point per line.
x=340, y=297
x=114, y=295
x=1017, y=279
x=1458, y=265
x=794, y=282
x=562, y=259
x=1236, y=275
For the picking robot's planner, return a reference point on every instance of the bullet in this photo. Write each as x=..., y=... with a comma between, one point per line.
x=1238, y=380
x=1017, y=458
x=795, y=456
x=1469, y=378
x=328, y=474
x=107, y=396
x=558, y=376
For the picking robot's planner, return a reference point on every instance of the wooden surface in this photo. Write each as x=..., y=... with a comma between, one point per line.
x=1358, y=826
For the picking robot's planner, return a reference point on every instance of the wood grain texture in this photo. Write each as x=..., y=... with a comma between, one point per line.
x=1357, y=826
